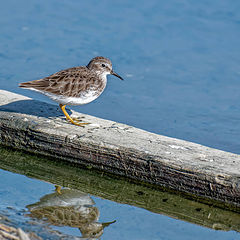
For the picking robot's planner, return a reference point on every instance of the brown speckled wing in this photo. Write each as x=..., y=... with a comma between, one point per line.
x=70, y=82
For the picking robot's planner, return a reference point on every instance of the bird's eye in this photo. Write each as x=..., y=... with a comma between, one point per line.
x=103, y=65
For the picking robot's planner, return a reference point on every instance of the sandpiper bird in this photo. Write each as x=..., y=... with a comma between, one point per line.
x=75, y=86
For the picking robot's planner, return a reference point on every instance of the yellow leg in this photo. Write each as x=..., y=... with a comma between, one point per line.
x=69, y=118
x=58, y=189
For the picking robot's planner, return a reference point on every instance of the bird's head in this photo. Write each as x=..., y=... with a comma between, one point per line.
x=102, y=66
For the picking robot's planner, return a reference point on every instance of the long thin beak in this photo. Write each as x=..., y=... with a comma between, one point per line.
x=108, y=223
x=115, y=74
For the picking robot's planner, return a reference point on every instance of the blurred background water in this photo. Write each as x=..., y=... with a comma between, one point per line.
x=180, y=61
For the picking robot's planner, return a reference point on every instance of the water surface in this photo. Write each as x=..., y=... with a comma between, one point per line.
x=93, y=204
x=180, y=61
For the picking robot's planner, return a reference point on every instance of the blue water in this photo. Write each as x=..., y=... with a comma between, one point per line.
x=181, y=65
x=131, y=222
x=180, y=60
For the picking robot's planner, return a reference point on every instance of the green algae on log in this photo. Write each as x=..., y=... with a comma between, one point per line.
x=119, y=190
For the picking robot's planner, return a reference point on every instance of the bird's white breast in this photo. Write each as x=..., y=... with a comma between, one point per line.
x=84, y=98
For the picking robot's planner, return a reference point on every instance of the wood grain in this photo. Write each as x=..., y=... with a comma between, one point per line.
x=120, y=149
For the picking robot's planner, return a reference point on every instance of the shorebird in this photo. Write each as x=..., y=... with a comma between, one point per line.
x=75, y=86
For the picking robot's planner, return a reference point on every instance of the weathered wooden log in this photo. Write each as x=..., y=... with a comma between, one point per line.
x=120, y=149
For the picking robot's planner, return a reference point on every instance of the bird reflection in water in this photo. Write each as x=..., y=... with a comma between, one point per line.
x=73, y=208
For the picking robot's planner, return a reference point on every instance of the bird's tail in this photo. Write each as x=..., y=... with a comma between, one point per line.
x=23, y=85
x=30, y=84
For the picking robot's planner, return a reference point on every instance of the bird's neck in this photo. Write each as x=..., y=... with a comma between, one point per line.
x=102, y=75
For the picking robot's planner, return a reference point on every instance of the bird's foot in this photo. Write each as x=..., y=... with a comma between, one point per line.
x=58, y=189
x=77, y=121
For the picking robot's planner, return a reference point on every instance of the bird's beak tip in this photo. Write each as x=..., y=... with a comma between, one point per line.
x=115, y=74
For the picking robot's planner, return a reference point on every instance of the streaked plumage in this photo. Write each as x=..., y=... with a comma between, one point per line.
x=75, y=86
